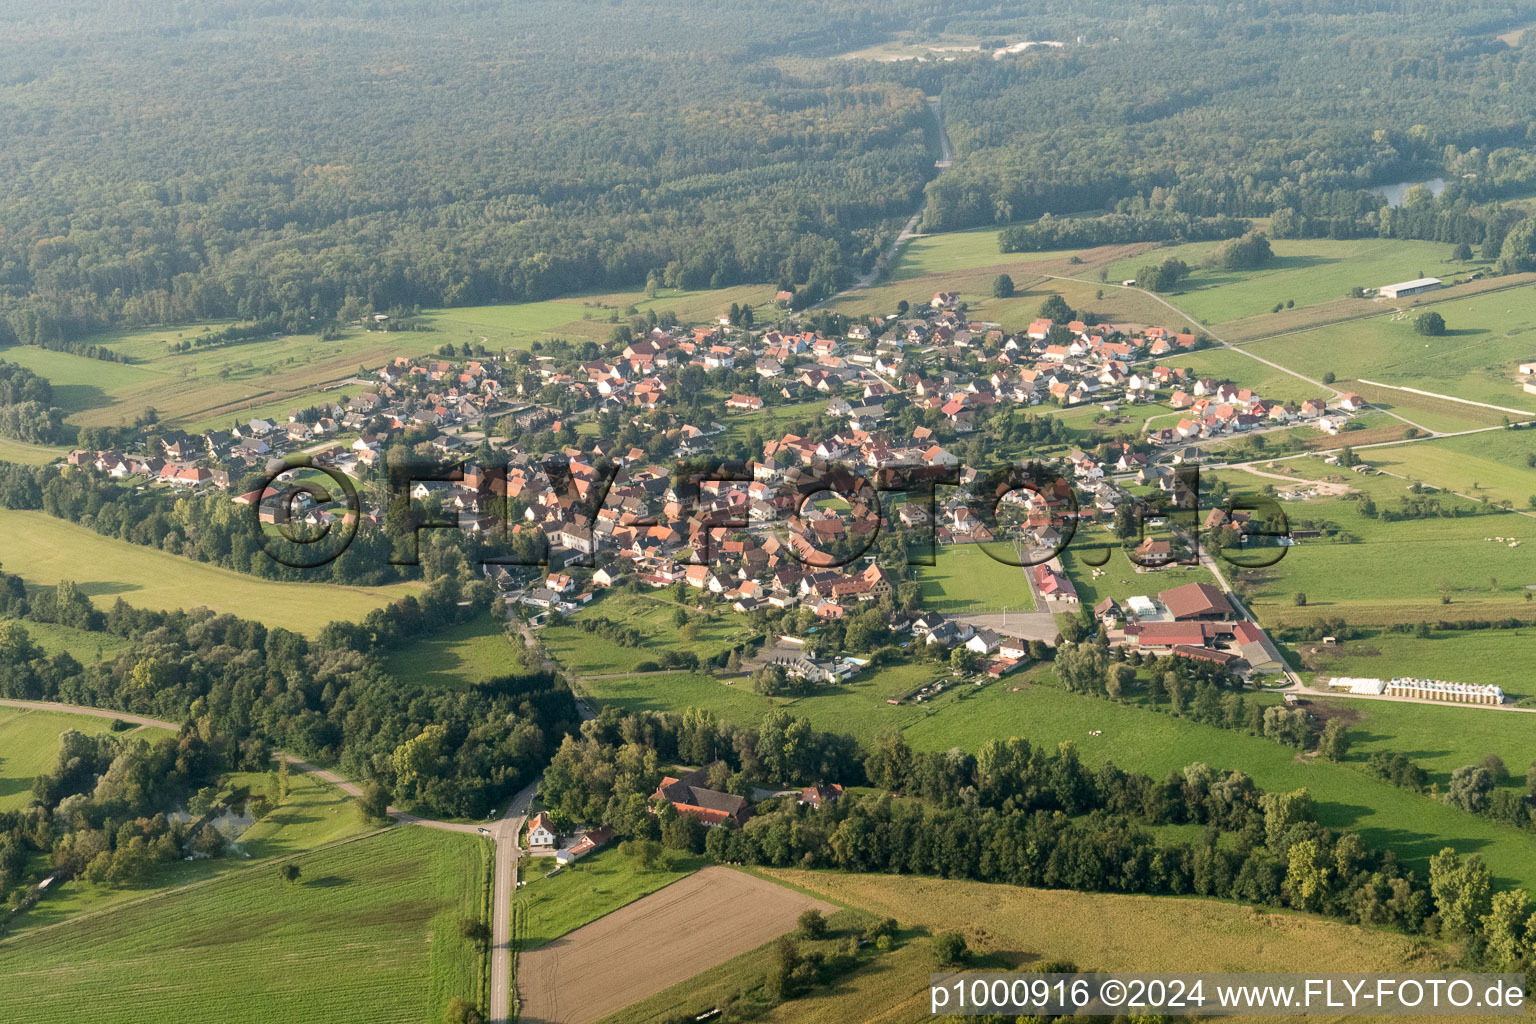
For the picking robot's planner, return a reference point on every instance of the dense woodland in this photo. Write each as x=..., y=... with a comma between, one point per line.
x=167, y=161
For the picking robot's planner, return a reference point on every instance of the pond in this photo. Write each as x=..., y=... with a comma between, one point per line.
x=1398, y=189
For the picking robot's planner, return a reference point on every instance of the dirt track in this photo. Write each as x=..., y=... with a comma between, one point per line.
x=667, y=937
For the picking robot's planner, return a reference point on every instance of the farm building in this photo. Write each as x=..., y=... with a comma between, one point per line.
x=1414, y=287
x=1196, y=601
x=691, y=795
x=1438, y=689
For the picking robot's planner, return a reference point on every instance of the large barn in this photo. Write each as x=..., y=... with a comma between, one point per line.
x=1196, y=602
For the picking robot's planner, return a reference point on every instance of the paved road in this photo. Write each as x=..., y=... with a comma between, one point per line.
x=503, y=833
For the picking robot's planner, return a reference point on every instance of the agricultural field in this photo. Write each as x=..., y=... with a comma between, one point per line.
x=1440, y=415
x=967, y=579
x=1490, y=464
x=1121, y=578
x=1010, y=928
x=29, y=745
x=1306, y=271
x=550, y=906
x=382, y=913
x=1445, y=568
x=653, y=614
x=455, y=658
x=1495, y=657
x=613, y=962
x=313, y=815
x=1475, y=359
x=212, y=386
x=1233, y=365
x=44, y=550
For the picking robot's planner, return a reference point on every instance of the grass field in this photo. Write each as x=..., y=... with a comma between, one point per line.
x=652, y=613
x=314, y=814
x=1399, y=571
x=1475, y=359
x=211, y=386
x=1497, y=657
x=456, y=657
x=1440, y=740
x=1304, y=271
x=1438, y=414
x=966, y=578
x=45, y=550
x=24, y=454
x=29, y=745
x=80, y=644
x=598, y=884
x=1226, y=364
x=1491, y=464
x=369, y=934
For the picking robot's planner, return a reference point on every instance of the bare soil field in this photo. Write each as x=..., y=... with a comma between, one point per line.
x=667, y=937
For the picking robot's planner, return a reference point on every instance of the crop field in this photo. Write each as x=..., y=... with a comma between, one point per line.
x=653, y=614
x=1137, y=739
x=1496, y=657
x=45, y=550
x=1475, y=359
x=923, y=255
x=381, y=914
x=580, y=893
x=454, y=658
x=966, y=578
x=1306, y=271
x=614, y=961
x=29, y=745
x=1491, y=464
x=1400, y=571
x=1227, y=364
x=313, y=814
x=1012, y=927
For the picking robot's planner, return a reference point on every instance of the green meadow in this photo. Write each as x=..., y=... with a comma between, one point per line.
x=967, y=578
x=654, y=614
x=1137, y=739
x=44, y=550
x=1306, y=271
x=1246, y=372
x=380, y=915
x=29, y=746
x=313, y=815
x=1475, y=359
x=1489, y=464
x=456, y=657
x=1398, y=572
x=1497, y=657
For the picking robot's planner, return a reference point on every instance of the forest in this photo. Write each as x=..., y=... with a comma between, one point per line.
x=442, y=152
